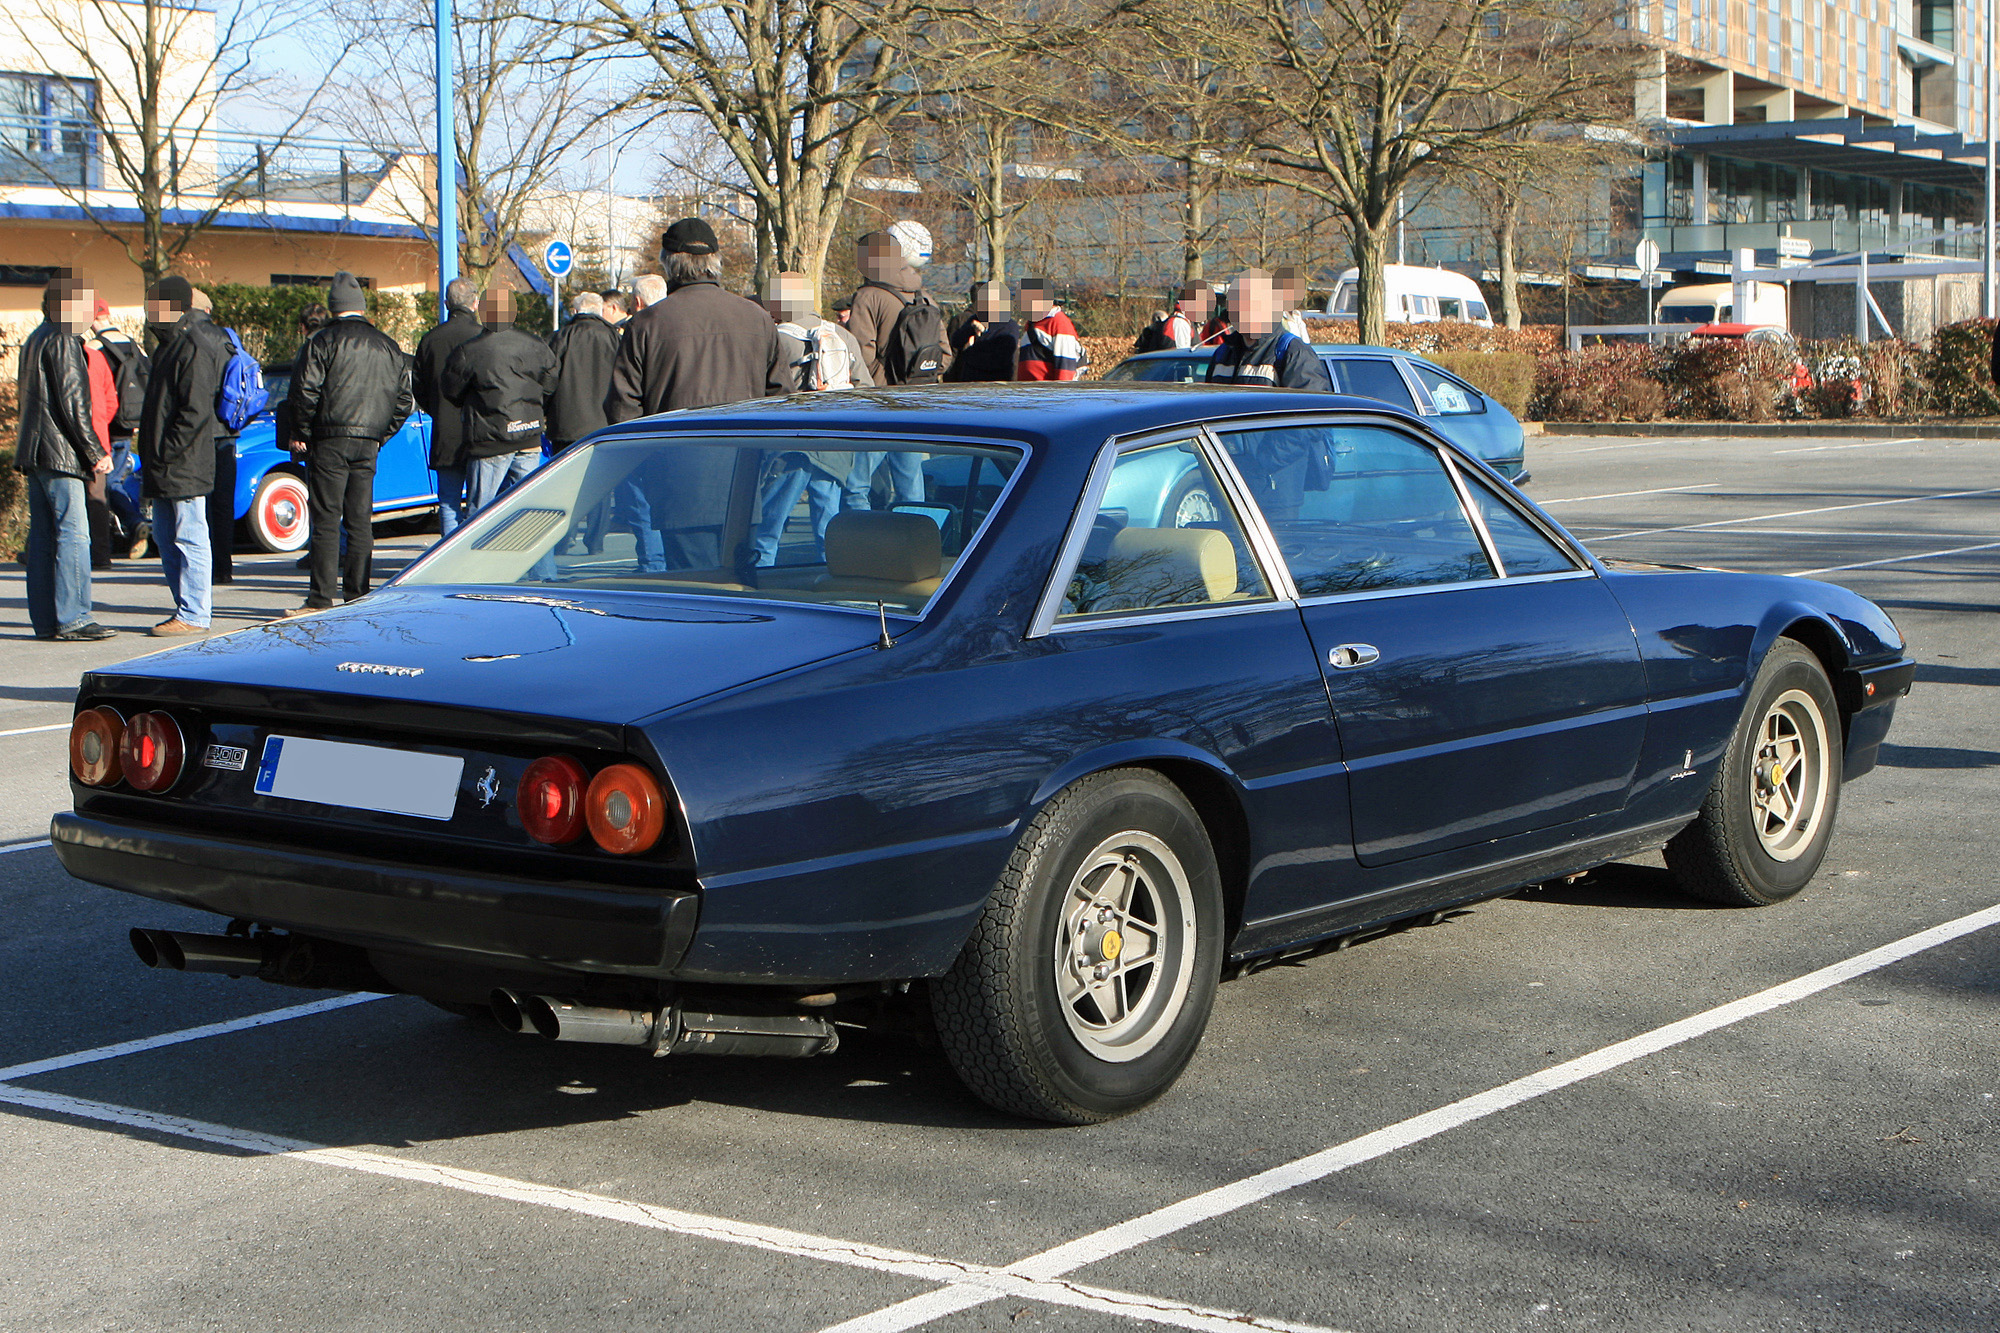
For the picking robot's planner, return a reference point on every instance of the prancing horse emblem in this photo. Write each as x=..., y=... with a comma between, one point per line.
x=488, y=788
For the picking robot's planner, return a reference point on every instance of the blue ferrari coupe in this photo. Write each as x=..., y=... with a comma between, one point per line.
x=1040, y=755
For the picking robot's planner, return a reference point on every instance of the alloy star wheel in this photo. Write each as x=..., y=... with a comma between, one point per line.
x=1125, y=946
x=1789, y=775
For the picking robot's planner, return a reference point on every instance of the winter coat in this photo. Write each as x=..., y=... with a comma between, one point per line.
x=499, y=381
x=585, y=350
x=56, y=434
x=447, y=424
x=1278, y=360
x=874, y=312
x=1050, y=349
x=350, y=382
x=179, y=427
x=697, y=346
x=985, y=353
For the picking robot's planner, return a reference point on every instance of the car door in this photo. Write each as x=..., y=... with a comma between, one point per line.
x=1484, y=682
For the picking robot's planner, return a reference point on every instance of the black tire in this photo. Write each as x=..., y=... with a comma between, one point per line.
x=1050, y=926
x=1190, y=502
x=1763, y=831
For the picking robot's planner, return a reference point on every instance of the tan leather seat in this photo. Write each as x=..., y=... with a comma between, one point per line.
x=1171, y=567
x=883, y=555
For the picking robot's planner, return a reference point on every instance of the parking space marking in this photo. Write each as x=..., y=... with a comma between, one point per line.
x=24, y=846
x=1799, y=513
x=1898, y=559
x=1620, y=495
x=991, y=1283
x=136, y=1046
x=1207, y=1206
x=1640, y=444
x=1865, y=444
x=30, y=731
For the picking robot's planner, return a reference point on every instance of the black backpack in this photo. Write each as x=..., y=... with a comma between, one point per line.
x=913, y=353
x=129, y=369
x=1153, y=338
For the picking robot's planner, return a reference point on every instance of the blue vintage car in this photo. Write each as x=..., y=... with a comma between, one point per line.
x=1038, y=754
x=271, y=482
x=1474, y=421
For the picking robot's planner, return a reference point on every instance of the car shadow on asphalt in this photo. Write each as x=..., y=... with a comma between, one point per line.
x=1619, y=885
x=1935, y=673
x=1936, y=756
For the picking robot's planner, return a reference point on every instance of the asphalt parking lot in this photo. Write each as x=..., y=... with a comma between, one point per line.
x=1599, y=1105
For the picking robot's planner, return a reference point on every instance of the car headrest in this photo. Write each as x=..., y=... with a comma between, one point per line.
x=901, y=548
x=1168, y=566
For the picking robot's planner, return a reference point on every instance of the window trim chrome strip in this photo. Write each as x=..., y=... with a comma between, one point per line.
x=1257, y=532
x=1377, y=594
x=1474, y=517
x=1167, y=614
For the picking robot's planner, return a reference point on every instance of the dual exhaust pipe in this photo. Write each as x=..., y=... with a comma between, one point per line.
x=667, y=1031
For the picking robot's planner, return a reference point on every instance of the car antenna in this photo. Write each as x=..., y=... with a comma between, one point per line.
x=882, y=613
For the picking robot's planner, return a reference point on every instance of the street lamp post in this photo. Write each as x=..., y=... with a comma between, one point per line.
x=1992, y=305
x=447, y=157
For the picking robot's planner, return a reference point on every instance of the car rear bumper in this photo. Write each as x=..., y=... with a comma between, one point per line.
x=382, y=904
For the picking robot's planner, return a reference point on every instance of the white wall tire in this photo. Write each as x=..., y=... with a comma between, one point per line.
x=279, y=519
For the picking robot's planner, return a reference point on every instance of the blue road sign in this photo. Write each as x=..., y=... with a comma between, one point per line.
x=556, y=258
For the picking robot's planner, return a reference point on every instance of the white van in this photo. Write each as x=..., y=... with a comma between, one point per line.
x=1416, y=296
x=1715, y=303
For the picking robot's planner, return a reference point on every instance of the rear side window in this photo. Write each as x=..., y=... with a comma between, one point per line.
x=1522, y=549
x=1451, y=397
x=1373, y=377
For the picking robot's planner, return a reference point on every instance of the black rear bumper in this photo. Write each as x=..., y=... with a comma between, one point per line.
x=383, y=904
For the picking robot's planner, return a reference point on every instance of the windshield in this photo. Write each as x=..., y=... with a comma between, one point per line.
x=862, y=522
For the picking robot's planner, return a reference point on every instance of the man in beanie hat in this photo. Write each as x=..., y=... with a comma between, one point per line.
x=177, y=430
x=58, y=450
x=696, y=346
x=350, y=392
x=461, y=326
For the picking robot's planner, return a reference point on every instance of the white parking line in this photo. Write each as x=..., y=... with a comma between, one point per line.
x=1161, y=1222
x=137, y=1045
x=29, y=731
x=1897, y=560
x=1799, y=513
x=1865, y=444
x=1620, y=495
x=23, y=846
x=991, y=1283
x=1643, y=444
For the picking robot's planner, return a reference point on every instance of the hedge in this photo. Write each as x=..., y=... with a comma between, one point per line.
x=1507, y=376
x=267, y=318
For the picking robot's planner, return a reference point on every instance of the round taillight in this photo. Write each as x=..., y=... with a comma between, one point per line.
x=626, y=810
x=151, y=751
x=550, y=799
x=93, y=746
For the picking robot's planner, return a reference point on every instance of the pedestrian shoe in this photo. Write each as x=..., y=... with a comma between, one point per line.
x=175, y=628
x=89, y=633
x=293, y=611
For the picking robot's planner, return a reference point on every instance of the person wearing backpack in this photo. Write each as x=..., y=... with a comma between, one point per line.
x=350, y=392
x=117, y=394
x=241, y=398
x=1050, y=349
x=902, y=338
x=178, y=424
x=816, y=356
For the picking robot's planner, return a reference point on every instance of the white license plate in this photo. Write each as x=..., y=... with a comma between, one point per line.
x=360, y=777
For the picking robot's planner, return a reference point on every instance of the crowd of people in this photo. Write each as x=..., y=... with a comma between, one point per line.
x=502, y=400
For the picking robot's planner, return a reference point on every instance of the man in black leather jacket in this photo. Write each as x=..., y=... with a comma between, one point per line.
x=350, y=392
x=499, y=381
x=58, y=450
x=461, y=326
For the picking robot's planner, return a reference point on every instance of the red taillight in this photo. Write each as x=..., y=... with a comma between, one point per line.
x=626, y=809
x=93, y=746
x=550, y=799
x=151, y=751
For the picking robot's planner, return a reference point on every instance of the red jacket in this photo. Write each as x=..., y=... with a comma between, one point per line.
x=103, y=394
x=1050, y=349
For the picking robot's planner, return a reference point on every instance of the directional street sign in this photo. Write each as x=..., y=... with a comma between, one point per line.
x=1794, y=247
x=556, y=258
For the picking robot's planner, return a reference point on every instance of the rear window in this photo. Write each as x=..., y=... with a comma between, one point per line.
x=847, y=522
x=1161, y=370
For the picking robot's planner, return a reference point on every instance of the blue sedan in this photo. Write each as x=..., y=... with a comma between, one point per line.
x=271, y=482
x=1474, y=421
x=1027, y=753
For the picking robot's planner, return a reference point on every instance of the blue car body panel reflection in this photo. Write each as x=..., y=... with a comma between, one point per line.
x=849, y=770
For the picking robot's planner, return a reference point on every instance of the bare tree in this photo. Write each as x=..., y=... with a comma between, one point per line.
x=1346, y=101
x=796, y=92
x=145, y=83
x=523, y=99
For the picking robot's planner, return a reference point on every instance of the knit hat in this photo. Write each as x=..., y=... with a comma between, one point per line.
x=344, y=296
x=174, y=290
x=689, y=236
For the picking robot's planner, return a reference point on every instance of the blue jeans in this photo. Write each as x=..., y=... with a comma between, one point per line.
x=906, y=475
x=451, y=498
x=632, y=511
x=58, y=553
x=781, y=493
x=181, y=529
x=487, y=479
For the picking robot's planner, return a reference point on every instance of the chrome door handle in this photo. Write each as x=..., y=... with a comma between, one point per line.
x=1352, y=655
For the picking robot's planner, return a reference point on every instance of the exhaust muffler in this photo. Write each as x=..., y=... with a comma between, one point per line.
x=233, y=955
x=669, y=1031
